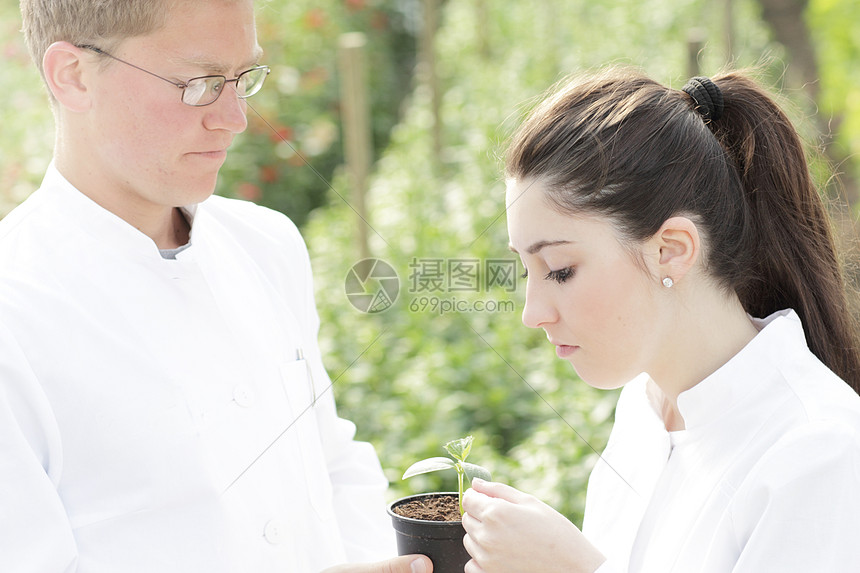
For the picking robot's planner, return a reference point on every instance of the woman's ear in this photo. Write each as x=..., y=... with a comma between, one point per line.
x=679, y=247
x=64, y=69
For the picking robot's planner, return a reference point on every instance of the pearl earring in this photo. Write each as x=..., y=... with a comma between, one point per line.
x=668, y=282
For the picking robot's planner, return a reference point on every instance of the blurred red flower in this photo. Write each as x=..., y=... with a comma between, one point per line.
x=268, y=173
x=249, y=191
x=315, y=18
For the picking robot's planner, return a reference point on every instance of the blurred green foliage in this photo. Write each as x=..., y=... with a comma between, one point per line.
x=27, y=135
x=294, y=123
x=413, y=379
x=835, y=27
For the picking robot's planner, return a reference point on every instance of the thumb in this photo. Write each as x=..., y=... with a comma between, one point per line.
x=403, y=564
x=498, y=490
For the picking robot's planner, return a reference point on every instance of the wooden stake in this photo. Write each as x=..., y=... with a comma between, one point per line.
x=428, y=61
x=695, y=44
x=729, y=31
x=357, y=138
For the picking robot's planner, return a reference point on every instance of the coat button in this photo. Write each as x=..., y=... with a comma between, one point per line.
x=243, y=395
x=274, y=532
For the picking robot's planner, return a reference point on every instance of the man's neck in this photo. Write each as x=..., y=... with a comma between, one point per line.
x=177, y=234
x=164, y=224
x=168, y=230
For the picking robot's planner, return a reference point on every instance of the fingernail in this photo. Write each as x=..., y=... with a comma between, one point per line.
x=477, y=480
x=418, y=566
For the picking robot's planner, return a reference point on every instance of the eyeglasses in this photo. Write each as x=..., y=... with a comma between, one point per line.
x=204, y=90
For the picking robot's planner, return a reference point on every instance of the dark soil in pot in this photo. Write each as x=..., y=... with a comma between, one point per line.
x=430, y=507
x=430, y=524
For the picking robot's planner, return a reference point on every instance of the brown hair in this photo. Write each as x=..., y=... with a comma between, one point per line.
x=620, y=145
x=100, y=22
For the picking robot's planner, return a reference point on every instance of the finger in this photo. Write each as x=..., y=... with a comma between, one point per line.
x=406, y=564
x=499, y=490
x=473, y=548
x=473, y=567
x=403, y=564
x=474, y=502
x=470, y=522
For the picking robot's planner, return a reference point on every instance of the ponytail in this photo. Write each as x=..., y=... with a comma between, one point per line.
x=795, y=263
x=620, y=145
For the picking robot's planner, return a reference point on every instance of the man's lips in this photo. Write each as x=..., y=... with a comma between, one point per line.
x=215, y=154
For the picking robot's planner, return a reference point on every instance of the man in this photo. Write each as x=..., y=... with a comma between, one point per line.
x=163, y=404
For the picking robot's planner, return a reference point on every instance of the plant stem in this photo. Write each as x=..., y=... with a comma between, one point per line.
x=460, y=487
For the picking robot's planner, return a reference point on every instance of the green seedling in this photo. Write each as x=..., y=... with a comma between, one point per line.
x=459, y=451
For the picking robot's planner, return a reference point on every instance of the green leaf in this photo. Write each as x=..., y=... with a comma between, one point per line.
x=474, y=470
x=459, y=449
x=427, y=466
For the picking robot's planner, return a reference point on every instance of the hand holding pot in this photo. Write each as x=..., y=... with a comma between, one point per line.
x=510, y=531
x=403, y=564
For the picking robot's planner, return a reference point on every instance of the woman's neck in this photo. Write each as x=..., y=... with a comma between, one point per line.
x=709, y=337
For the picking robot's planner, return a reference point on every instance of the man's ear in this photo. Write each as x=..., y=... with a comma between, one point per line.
x=64, y=69
x=679, y=247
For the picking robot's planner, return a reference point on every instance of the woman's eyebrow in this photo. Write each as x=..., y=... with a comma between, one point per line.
x=536, y=247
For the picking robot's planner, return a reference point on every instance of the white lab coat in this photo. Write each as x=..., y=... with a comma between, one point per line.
x=765, y=478
x=135, y=391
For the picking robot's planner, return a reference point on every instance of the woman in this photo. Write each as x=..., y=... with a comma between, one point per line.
x=676, y=245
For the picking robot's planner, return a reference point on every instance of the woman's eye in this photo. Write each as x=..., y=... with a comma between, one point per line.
x=560, y=275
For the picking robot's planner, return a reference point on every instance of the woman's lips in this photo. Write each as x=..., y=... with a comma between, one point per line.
x=564, y=351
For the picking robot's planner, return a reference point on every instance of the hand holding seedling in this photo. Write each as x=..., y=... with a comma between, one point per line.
x=459, y=451
x=510, y=531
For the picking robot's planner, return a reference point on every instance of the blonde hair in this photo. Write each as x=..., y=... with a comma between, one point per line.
x=103, y=23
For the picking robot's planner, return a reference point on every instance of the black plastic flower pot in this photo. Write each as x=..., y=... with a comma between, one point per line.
x=441, y=541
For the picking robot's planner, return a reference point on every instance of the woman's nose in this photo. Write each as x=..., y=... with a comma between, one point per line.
x=539, y=309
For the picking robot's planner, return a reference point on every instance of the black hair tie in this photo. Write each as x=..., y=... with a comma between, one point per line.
x=707, y=97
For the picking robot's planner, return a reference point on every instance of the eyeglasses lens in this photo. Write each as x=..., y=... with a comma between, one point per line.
x=202, y=91
x=251, y=81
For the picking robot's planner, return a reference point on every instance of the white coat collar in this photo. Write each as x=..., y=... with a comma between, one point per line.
x=780, y=337
x=106, y=227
